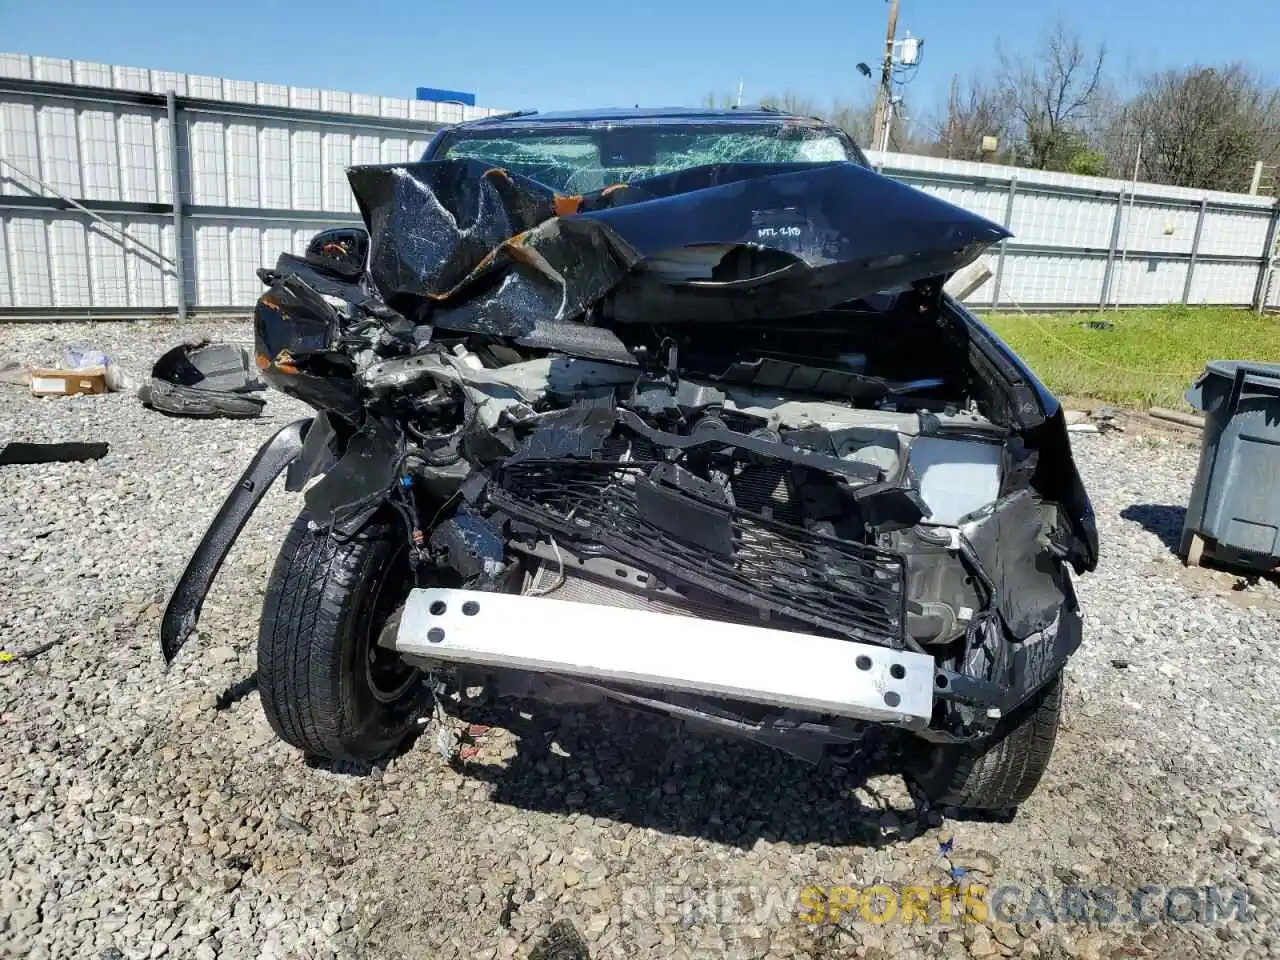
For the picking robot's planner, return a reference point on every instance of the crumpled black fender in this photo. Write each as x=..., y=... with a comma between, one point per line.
x=183, y=611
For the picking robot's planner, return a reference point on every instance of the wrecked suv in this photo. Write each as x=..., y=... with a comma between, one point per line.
x=668, y=409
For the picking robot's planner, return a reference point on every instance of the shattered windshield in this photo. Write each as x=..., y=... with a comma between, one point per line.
x=585, y=160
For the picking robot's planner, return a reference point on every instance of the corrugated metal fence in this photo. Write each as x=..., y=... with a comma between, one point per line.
x=1091, y=241
x=89, y=227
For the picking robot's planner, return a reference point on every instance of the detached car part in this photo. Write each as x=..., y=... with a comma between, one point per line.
x=668, y=409
x=203, y=380
x=18, y=452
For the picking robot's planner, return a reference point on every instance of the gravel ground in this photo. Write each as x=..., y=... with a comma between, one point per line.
x=150, y=813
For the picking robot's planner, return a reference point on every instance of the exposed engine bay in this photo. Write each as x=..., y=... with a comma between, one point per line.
x=713, y=394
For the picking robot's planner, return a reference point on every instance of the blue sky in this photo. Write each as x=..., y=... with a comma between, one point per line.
x=573, y=53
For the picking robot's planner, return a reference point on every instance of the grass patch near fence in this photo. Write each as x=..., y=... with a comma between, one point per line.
x=1147, y=358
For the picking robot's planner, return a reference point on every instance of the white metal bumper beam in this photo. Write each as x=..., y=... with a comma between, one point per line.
x=710, y=657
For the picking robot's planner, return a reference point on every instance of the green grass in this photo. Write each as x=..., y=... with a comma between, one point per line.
x=1147, y=359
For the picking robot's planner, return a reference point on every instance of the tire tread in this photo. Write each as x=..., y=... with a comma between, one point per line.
x=1003, y=770
x=308, y=614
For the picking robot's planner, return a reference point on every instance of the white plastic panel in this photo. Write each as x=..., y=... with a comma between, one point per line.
x=59, y=148
x=6, y=292
x=15, y=65
x=213, y=268
x=395, y=150
x=335, y=101
x=68, y=262
x=275, y=241
x=242, y=165
x=1161, y=227
x=145, y=272
x=981, y=200
x=1063, y=221
x=1140, y=281
x=1223, y=283
x=210, y=88
x=1233, y=232
x=240, y=91
x=305, y=98
x=131, y=78
x=394, y=108
x=1042, y=279
x=955, y=477
x=450, y=112
x=107, y=258
x=273, y=144
x=164, y=191
x=365, y=149
x=27, y=239
x=99, y=155
x=336, y=150
x=91, y=74
x=54, y=70
x=246, y=250
x=136, y=135
x=208, y=162
x=19, y=144
x=273, y=94
x=162, y=81
x=307, y=169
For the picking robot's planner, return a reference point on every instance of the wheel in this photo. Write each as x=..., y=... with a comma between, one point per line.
x=1001, y=770
x=326, y=686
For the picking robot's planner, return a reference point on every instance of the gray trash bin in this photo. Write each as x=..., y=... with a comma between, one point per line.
x=1234, y=513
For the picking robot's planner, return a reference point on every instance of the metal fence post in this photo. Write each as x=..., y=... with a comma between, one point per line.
x=175, y=187
x=1195, y=251
x=1262, y=288
x=1008, y=222
x=1105, y=295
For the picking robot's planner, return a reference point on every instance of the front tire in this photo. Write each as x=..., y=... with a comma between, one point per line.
x=326, y=686
x=1001, y=770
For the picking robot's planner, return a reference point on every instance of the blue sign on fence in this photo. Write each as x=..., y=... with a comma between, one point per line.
x=445, y=96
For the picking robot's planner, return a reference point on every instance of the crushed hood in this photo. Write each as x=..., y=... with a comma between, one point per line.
x=471, y=247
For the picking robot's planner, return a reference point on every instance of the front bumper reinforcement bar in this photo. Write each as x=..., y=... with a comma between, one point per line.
x=664, y=651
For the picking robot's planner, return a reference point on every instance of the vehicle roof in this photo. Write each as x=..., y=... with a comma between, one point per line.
x=624, y=114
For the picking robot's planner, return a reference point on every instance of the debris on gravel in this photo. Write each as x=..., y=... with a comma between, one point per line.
x=151, y=813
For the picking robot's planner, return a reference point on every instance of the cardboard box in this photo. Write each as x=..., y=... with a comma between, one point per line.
x=64, y=383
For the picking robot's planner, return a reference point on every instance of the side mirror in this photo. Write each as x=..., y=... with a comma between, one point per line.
x=342, y=251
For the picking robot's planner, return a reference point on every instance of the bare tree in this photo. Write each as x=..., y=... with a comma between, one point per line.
x=975, y=109
x=791, y=102
x=715, y=100
x=1053, y=95
x=855, y=118
x=1204, y=126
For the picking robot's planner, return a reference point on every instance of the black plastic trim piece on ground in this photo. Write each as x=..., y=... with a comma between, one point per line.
x=183, y=611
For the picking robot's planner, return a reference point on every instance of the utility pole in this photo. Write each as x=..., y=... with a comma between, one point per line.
x=886, y=75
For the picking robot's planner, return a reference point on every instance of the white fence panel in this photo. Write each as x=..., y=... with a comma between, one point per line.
x=262, y=167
